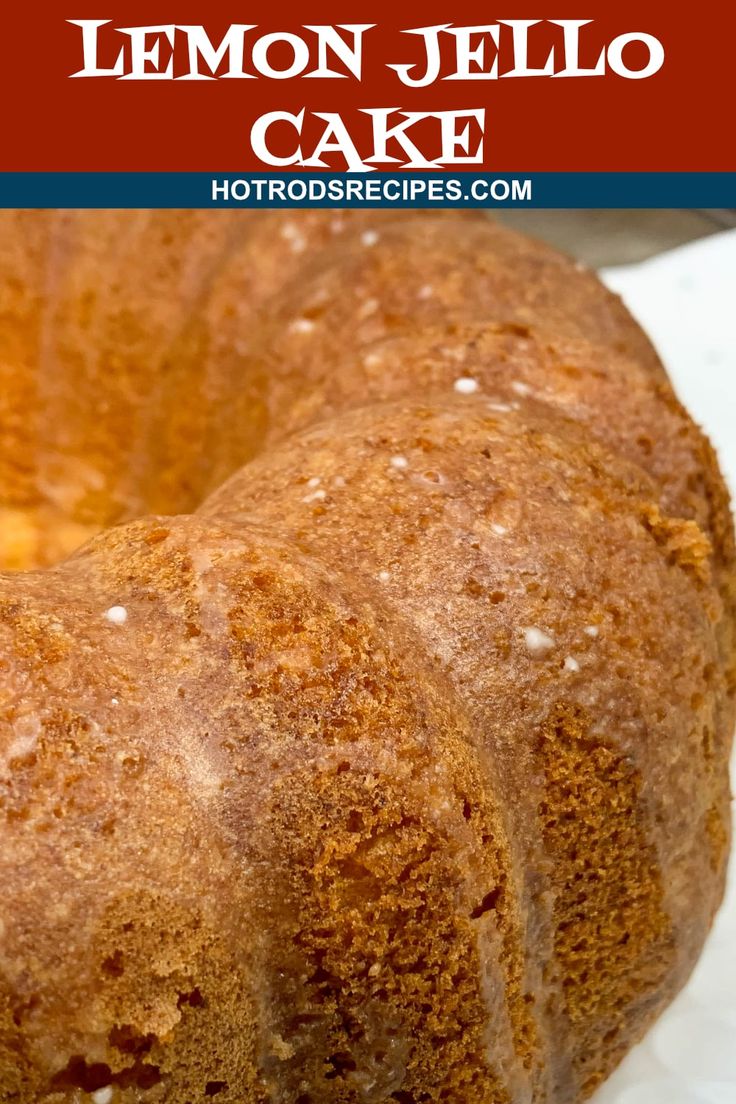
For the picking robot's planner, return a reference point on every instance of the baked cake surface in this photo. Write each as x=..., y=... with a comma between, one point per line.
x=374, y=748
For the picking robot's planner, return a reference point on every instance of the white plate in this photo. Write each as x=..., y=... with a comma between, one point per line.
x=686, y=300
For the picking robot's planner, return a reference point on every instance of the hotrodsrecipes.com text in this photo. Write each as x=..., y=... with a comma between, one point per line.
x=347, y=189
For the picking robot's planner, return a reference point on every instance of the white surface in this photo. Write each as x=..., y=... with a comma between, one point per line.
x=686, y=300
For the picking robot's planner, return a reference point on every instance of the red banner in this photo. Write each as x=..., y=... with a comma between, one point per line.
x=233, y=87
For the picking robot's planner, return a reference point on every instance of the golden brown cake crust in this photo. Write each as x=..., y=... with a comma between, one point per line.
x=397, y=770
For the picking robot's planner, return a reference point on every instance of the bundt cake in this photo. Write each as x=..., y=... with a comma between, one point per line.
x=366, y=664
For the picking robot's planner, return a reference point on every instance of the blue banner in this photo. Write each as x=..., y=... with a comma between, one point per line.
x=379, y=190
